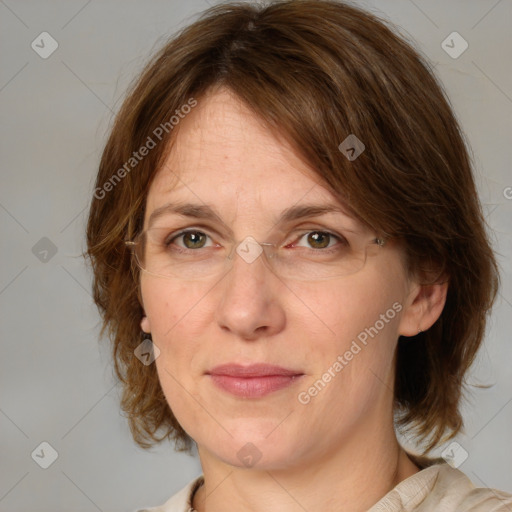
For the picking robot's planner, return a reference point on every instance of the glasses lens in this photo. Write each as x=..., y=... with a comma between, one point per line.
x=161, y=252
x=305, y=264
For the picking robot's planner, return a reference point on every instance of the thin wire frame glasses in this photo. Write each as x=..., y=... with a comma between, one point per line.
x=156, y=252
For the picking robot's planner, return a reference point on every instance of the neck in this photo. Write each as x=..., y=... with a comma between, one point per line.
x=352, y=478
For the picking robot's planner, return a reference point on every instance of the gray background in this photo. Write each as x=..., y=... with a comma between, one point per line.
x=56, y=379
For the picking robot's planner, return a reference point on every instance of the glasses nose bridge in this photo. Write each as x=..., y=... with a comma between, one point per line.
x=250, y=250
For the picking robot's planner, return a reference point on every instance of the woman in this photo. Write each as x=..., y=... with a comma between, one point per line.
x=286, y=208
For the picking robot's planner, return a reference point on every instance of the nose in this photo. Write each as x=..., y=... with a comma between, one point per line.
x=251, y=296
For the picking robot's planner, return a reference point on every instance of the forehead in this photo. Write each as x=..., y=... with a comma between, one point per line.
x=224, y=155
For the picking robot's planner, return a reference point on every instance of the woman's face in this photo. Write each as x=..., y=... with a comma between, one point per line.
x=226, y=159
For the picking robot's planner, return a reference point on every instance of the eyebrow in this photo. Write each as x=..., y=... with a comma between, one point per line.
x=198, y=211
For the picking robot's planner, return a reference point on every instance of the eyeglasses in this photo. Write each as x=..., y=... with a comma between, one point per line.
x=326, y=254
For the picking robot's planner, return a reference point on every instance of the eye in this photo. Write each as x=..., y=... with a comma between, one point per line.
x=320, y=239
x=190, y=239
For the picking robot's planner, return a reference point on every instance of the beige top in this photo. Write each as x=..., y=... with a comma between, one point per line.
x=437, y=488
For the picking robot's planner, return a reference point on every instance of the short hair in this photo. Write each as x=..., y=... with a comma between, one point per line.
x=315, y=72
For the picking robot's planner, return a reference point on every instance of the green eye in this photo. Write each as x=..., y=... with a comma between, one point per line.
x=193, y=239
x=319, y=240
x=189, y=240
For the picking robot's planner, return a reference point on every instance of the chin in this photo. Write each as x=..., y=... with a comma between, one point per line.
x=257, y=452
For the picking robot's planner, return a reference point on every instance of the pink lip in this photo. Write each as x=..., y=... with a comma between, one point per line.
x=252, y=381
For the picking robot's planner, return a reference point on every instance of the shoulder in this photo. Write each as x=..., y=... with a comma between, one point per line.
x=179, y=502
x=457, y=491
x=442, y=488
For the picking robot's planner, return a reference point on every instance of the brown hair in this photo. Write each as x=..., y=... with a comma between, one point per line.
x=315, y=71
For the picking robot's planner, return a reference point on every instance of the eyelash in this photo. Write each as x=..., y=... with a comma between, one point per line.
x=168, y=241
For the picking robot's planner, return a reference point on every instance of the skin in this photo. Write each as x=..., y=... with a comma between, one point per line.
x=339, y=451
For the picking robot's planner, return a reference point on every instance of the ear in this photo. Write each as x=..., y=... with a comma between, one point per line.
x=424, y=306
x=145, y=325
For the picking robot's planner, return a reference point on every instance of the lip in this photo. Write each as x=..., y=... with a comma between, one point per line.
x=253, y=370
x=252, y=381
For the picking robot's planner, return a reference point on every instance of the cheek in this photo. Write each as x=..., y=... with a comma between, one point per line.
x=362, y=314
x=167, y=303
x=344, y=309
x=180, y=393
x=355, y=364
x=175, y=313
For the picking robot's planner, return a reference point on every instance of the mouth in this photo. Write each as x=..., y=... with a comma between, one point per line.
x=252, y=381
